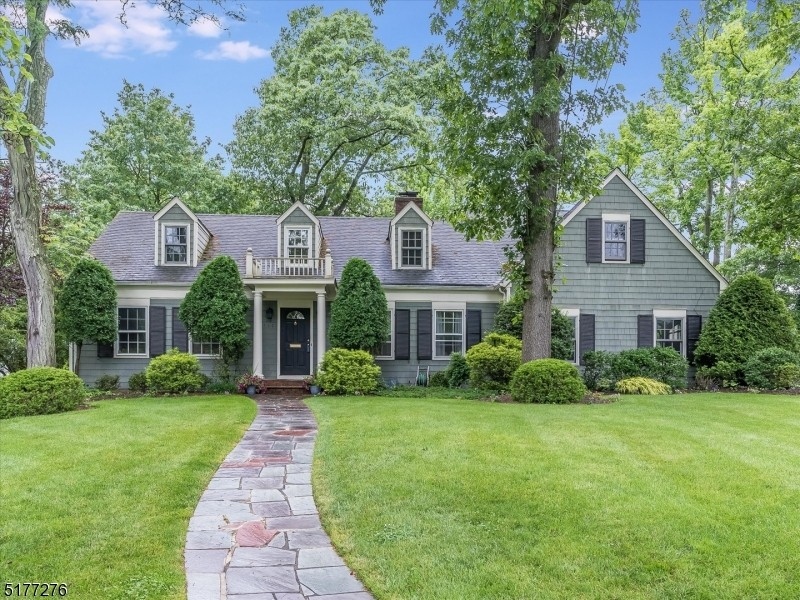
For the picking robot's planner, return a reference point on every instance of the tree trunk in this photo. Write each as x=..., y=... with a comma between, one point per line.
x=707, y=220
x=26, y=212
x=730, y=213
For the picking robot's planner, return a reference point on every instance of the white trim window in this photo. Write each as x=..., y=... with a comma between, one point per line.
x=176, y=244
x=448, y=332
x=205, y=347
x=132, y=331
x=297, y=243
x=412, y=248
x=616, y=238
x=385, y=349
x=574, y=315
x=670, y=330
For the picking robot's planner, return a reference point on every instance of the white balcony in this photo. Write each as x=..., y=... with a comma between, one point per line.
x=278, y=266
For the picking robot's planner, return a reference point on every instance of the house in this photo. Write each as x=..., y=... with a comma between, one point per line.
x=629, y=278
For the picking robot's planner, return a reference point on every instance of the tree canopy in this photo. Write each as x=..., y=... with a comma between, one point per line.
x=340, y=114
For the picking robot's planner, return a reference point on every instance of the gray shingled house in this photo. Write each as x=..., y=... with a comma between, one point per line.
x=630, y=279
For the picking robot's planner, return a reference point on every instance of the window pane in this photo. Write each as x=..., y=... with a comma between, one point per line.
x=669, y=334
x=616, y=246
x=132, y=335
x=411, y=248
x=449, y=332
x=176, y=248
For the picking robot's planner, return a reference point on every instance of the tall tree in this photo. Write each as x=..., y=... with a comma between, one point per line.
x=531, y=81
x=146, y=154
x=24, y=77
x=339, y=115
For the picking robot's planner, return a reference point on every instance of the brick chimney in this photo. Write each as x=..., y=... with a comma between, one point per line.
x=404, y=198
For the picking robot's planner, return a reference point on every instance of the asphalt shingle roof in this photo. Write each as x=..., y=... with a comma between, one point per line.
x=126, y=248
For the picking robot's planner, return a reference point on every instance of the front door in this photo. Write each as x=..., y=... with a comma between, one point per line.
x=295, y=341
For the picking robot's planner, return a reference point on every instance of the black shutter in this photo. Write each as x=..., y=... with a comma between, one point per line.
x=402, y=334
x=637, y=241
x=473, y=328
x=594, y=240
x=694, y=323
x=180, y=337
x=158, y=330
x=424, y=338
x=586, y=339
x=644, y=338
x=105, y=350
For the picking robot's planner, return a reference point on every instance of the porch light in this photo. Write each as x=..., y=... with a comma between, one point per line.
x=269, y=313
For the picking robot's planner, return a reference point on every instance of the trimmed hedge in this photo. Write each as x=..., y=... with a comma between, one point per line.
x=493, y=362
x=348, y=372
x=39, y=391
x=547, y=381
x=175, y=372
x=771, y=369
x=662, y=364
x=642, y=385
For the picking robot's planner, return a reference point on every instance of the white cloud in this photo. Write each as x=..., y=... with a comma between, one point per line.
x=146, y=29
x=239, y=51
x=206, y=28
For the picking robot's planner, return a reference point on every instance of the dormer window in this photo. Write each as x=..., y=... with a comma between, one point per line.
x=412, y=248
x=298, y=243
x=176, y=244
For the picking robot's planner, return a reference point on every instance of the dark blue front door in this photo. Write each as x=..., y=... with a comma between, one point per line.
x=295, y=341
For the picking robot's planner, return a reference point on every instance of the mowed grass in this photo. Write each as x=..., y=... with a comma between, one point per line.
x=100, y=499
x=687, y=496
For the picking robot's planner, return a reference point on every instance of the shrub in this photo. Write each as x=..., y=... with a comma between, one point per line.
x=107, y=383
x=749, y=316
x=508, y=320
x=138, y=382
x=359, y=314
x=642, y=385
x=39, y=391
x=175, y=372
x=724, y=374
x=440, y=379
x=662, y=364
x=787, y=376
x=348, y=372
x=248, y=379
x=762, y=370
x=220, y=387
x=597, y=370
x=458, y=371
x=547, y=380
x=493, y=362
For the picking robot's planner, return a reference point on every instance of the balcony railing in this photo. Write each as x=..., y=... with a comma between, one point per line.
x=278, y=266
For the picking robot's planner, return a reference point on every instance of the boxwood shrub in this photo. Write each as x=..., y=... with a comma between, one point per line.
x=175, y=372
x=348, y=372
x=771, y=369
x=547, y=380
x=39, y=391
x=493, y=362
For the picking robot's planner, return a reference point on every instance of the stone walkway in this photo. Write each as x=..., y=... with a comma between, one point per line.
x=256, y=534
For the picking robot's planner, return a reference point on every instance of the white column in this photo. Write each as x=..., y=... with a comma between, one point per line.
x=258, y=344
x=320, y=327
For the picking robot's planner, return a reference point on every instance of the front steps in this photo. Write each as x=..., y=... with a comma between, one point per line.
x=285, y=387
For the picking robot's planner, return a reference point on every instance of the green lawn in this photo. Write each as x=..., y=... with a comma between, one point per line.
x=100, y=499
x=687, y=496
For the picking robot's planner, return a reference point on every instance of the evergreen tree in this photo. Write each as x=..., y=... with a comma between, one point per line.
x=359, y=315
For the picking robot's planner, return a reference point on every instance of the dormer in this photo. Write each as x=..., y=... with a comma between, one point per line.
x=410, y=234
x=299, y=233
x=180, y=237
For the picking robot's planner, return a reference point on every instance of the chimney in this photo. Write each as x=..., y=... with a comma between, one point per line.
x=404, y=198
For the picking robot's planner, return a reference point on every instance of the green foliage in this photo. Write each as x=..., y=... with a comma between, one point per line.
x=88, y=304
x=597, y=370
x=107, y=383
x=39, y=391
x=662, y=364
x=248, y=379
x=13, y=327
x=220, y=387
x=748, y=316
x=417, y=391
x=175, y=372
x=359, y=314
x=339, y=115
x=508, y=320
x=458, y=371
x=493, y=361
x=440, y=379
x=138, y=382
x=348, y=372
x=547, y=381
x=215, y=308
x=723, y=374
x=771, y=369
x=642, y=385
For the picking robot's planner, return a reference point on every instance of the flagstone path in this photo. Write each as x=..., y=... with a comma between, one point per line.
x=256, y=534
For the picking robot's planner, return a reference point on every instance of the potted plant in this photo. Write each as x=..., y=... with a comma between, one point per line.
x=311, y=385
x=249, y=384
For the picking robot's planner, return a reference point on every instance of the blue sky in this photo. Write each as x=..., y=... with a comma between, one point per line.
x=215, y=71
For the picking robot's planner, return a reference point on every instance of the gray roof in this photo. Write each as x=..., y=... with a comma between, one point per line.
x=126, y=247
